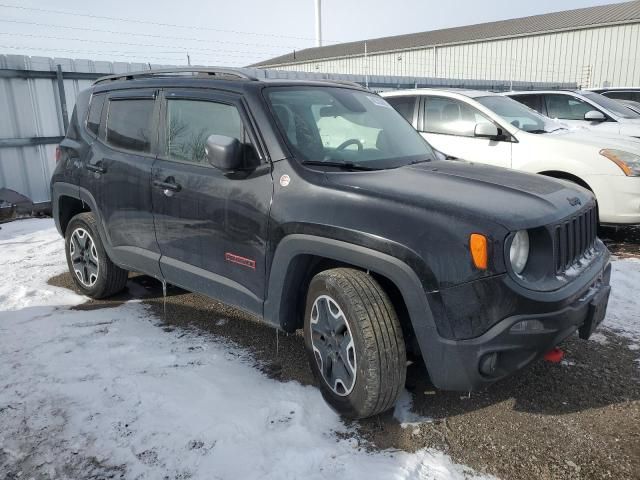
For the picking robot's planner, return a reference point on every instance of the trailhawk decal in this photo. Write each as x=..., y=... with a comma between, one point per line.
x=245, y=262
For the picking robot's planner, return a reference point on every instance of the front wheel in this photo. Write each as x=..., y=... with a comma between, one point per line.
x=92, y=270
x=354, y=342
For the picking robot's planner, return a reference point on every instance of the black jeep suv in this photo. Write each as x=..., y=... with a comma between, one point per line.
x=316, y=206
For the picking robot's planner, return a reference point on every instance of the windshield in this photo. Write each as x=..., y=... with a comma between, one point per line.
x=344, y=126
x=612, y=105
x=519, y=115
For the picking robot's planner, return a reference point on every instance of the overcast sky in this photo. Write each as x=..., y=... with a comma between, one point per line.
x=231, y=32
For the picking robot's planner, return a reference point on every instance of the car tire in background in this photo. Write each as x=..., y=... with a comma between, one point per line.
x=93, y=272
x=354, y=342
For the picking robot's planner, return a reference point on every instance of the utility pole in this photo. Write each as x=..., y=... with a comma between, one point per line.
x=366, y=66
x=188, y=59
x=318, y=23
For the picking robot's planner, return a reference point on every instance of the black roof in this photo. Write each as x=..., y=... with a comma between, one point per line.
x=627, y=12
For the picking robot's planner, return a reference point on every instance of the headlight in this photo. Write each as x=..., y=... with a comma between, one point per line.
x=629, y=163
x=519, y=252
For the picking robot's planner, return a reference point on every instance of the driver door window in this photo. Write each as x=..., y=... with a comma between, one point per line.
x=449, y=126
x=566, y=107
x=448, y=116
x=189, y=124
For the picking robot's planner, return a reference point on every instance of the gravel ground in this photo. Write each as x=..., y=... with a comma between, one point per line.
x=623, y=242
x=579, y=419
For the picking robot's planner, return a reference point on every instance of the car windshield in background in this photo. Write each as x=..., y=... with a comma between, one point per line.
x=519, y=115
x=342, y=126
x=613, y=106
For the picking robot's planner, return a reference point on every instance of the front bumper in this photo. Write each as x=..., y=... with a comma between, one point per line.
x=466, y=365
x=618, y=198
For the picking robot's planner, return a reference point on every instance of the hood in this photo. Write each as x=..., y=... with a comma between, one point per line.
x=630, y=121
x=460, y=189
x=599, y=139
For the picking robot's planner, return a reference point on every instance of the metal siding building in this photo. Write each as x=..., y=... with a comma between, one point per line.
x=32, y=119
x=592, y=47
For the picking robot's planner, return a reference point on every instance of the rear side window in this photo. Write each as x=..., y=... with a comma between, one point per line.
x=619, y=95
x=190, y=122
x=95, y=113
x=129, y=124
x=635, y=96
x=404, y=105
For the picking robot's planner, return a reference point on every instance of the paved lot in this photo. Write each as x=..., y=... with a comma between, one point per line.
x=576, y=419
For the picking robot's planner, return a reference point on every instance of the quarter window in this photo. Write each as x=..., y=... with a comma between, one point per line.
x=451, y=117
x=566, y=107
x=95, y=113
x=190, y=122
x=129, y=124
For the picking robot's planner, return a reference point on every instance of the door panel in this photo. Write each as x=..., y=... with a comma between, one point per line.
x=479, y=150
x=118, y=176
x=211, y=225
x=448, y=125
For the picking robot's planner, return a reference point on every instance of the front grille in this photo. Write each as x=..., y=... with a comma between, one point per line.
x=574, y=238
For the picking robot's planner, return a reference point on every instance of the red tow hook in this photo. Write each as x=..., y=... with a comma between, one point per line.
x=554, y=355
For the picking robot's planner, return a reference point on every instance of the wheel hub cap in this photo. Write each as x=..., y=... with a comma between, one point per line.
x=84, y=257
x=333, y=345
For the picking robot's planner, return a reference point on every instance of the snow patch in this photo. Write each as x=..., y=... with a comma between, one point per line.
x=599, y=338
x=623, y=312
x=404, y=414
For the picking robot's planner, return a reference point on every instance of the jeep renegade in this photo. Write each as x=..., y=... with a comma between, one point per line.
x=316, y=206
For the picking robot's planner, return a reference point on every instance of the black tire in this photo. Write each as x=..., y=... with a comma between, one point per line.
x=377, y=341
x=109, y=278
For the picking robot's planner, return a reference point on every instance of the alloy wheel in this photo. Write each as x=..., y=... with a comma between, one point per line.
x=84, y=257
x=333, y=345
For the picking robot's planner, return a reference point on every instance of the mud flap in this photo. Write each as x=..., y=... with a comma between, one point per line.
x=597, y=312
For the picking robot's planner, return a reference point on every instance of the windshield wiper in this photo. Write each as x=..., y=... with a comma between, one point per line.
x=539, y=131
x=423, y=160
x=343, y=165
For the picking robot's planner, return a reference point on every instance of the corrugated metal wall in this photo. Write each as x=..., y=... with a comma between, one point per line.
x=605, y=56
x=30, y=108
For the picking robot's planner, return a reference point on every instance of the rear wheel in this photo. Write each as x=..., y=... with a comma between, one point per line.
x=354, y=342
x=92, y=270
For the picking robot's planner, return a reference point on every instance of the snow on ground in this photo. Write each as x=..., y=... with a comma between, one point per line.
x=81, y=389
x=404, y=413
x=623, y=312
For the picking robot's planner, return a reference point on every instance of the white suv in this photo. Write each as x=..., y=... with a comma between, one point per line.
x=582, y=108
x=490, y=128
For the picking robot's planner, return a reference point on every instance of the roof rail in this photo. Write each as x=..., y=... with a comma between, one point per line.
x=208, y=71
x=340, y=82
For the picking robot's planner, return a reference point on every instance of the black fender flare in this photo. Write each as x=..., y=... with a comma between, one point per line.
x=402, y=275
x=62, y=189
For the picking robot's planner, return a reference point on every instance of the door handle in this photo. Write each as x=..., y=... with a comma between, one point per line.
x=169, y=186
x=96, y=168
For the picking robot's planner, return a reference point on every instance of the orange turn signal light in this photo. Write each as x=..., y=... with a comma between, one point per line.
x=479, y=252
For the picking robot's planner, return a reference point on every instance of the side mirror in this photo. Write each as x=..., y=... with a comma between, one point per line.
x=594, y=116
x=486, y=130
x=224, y=152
